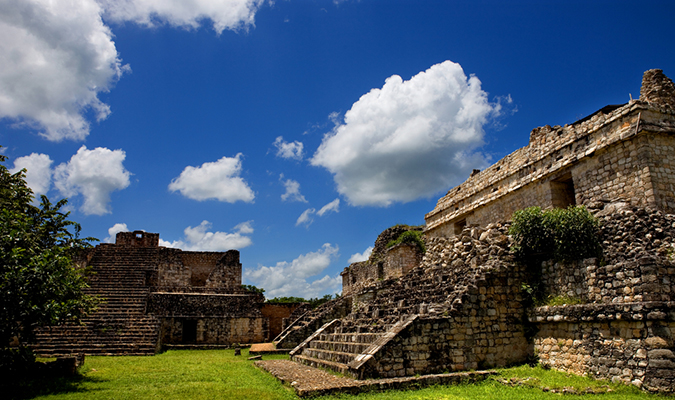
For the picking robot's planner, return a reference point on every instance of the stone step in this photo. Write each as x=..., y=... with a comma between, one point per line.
x=350, y=337
x=317, y=363
x=330, y=355
x=346, y=347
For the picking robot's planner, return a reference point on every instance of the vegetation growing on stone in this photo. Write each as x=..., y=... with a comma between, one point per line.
x=560, y=234
x=411, y=237
x=313, y=302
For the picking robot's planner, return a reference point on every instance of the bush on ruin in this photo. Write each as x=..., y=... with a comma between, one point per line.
x=560, y=234
x=412, y=238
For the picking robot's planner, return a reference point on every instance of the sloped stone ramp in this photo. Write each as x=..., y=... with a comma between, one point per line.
x=309, y=381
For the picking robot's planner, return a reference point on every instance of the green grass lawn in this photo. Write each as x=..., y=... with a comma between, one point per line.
x=218, y=374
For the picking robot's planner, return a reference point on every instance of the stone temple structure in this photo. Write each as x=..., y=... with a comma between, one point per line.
x=155, y=296
x=461, y=305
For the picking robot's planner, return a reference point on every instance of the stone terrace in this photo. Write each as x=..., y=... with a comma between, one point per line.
x=121, y=325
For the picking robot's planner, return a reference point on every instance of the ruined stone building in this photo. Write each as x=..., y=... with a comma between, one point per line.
x=155, y=296
x=621, y=152
x=461, y=306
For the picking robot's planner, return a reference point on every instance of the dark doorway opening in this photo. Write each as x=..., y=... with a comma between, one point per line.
x=459, y=226
x=562, y=192
x=189, y=331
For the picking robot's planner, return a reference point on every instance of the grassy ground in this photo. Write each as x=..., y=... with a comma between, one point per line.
x=209, y=374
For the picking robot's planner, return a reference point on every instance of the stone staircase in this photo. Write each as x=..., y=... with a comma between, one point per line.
x=121, y=325
x=448, y=286
x=344, y=346
x=312, y=320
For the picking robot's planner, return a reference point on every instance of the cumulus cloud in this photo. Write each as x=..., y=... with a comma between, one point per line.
x=357, y=257
x=306, y=218
x=223, y=14
x=409, y=139
x=114, y=230
x=292, y=191
x=292, y=278
x=293, y=150
x=55, y=58
x=200, y=239
x=94, y=174
x=218, y=180
x=38, y=171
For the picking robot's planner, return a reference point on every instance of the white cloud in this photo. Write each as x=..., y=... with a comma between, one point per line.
x=292, y=191
x=200, y=239
x=94, y=174
x=356, y=257
x=306, y=217
x=409, y=139
x=223, y=14
x=55, y=58
x=333, y=206
x=293, y=150
x=291, y=279
x=214, y=180
x=38, y=171
x=114, y=230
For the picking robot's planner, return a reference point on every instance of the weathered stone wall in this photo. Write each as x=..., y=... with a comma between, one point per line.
x=617, y=152
x=625, y=331
x=201, y=264
x=630, y=342
x=400, y=259
x=170, y=269
x=174, y=330
x=202, y=305
x=383, y=263
x=484, y=330
x=137, y=239
x=276, y=314
x=210, y=318
x=637, y=263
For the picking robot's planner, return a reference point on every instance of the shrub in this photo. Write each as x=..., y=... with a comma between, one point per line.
x=561, y=234
x=413, y=238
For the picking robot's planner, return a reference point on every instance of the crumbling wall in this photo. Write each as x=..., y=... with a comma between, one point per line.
x=195, y=318
x=383, y=263
x=276, y=314
x=222, y=331
x=137, y=239
x=483, y=330
x=625, y=329
x=401, y=259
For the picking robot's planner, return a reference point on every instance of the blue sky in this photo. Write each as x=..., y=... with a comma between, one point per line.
x=296, y=131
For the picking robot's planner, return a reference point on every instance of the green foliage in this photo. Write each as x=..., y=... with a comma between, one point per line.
x=561, y=234
x=286, y=300
x=313, y=302
x=254, y=289
x=38, y=283
x=413, y=238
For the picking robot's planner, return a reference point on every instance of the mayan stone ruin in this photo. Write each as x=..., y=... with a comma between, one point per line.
x=155, y=297
x=461, y=306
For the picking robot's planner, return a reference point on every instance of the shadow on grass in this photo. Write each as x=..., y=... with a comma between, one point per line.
x=12, y=388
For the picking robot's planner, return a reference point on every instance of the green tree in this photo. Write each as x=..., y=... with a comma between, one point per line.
x=39, y=285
